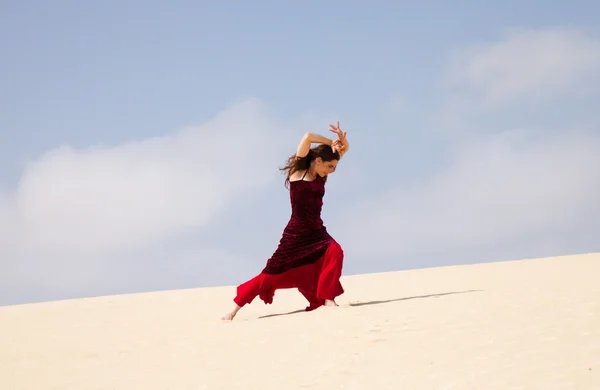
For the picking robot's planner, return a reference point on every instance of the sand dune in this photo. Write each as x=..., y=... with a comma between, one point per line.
x=531, y=324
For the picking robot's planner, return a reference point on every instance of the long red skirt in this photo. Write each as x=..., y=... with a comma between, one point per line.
x=317, y=282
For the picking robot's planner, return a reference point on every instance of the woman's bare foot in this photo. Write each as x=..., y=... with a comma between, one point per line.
x=229, y=316
x=330, y=303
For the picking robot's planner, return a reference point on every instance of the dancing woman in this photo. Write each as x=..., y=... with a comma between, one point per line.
x=307, y=257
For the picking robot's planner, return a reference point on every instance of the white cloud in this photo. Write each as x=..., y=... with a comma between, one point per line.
x=497, y=189
x=529, y=63
x=531, y=189
x=103, y=199
x=100, y=219
x=527, y=68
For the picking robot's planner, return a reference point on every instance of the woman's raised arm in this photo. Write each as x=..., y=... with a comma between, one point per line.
x=307, y=140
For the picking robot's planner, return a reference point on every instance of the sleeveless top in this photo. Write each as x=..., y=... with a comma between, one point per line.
x=305, y=238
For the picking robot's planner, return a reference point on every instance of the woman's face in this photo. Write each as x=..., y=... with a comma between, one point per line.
x=324, y=168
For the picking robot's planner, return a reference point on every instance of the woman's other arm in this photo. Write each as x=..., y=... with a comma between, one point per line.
x=307, y=140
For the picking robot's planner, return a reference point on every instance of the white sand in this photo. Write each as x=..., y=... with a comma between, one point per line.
x=531, y=324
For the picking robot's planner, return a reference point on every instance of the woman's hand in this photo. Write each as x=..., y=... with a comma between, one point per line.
x=341, y=134
x=337, y=146
x=341, y=144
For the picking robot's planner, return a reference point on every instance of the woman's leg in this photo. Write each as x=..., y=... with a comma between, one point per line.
x=329, y=286
x=327, y=289
x=311, y=297
x=229, y=316
x=263, y=286
x=246, y=292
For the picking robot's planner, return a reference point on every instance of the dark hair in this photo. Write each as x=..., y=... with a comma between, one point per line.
x=295, y=163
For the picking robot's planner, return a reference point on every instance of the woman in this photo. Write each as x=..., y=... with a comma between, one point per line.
x=307, y=257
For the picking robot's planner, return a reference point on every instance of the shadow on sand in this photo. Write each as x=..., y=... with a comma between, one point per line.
x=380, y=302
x=414, y=297
x=284, y=314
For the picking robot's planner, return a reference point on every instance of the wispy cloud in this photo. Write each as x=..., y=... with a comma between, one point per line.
x=528, y=63
x=518, y=189
x=85, y=216
x=102, y=199
x=497, y=188
x=527, y=67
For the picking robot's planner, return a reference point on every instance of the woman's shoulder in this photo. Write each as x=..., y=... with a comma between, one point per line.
x=301, y=175
x=298, y=175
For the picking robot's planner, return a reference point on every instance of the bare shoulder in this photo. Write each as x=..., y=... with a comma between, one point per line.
x=298, y=175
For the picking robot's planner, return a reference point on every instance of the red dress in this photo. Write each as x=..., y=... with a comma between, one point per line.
x=307, y=257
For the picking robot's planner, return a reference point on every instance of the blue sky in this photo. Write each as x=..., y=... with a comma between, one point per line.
x=140, y=141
